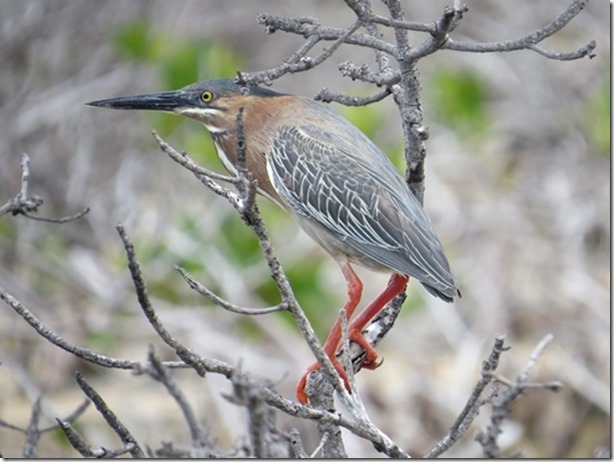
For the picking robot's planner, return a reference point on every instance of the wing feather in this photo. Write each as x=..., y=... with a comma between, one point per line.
x=358, y=199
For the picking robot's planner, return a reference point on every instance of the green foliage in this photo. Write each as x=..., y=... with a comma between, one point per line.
x=238, y=242
x=319, y=304
x=103, y=340
x=179, y=62
x=368, y=119
x=598, y=119
x=415, y=299
x=371, y=120
x=59, y=437
x=457, y=99
x=200, y=147
x=134, y=42
x=8, y=232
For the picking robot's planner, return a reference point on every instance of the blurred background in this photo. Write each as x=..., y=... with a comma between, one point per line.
x=517, y=188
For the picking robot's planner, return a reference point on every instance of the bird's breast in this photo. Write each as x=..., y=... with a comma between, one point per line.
x=255, y=156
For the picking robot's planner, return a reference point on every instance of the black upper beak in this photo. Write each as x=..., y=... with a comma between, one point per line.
x=165, y=101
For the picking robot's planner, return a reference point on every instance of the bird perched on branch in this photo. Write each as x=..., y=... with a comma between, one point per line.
x=341, y=189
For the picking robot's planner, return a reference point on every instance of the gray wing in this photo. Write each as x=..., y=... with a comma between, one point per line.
x=360, y=200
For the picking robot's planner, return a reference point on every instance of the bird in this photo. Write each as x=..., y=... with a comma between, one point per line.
x=341, y=189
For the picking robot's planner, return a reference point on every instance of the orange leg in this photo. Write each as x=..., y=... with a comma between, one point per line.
x=396, y=285
x=354, y=286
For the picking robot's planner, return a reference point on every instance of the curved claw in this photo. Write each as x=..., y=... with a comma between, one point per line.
x=373, y=365
x=300, y=387
x=396, y=285
x=372, y=361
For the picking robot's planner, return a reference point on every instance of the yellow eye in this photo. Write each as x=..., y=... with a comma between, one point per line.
x=206, y=96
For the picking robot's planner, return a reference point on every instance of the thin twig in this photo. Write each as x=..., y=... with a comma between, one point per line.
x=331, y=442
x=252, y=217
x=75, y=439
x=23, y=203
x=219, y=301
x=161, y=373
x=529, y=41
x=586, y=50
x=502, y=406
x=472, y=407
x=83, y=353
x=443, y=27
x=33, y=433
x=74, y=415
x=203, y=175
x=365, y=74
x=110, y=417
x=297, y=444
x=61, y=220
x=327, y=97
x=247, y=186
x=303, y=63
x=266, y=440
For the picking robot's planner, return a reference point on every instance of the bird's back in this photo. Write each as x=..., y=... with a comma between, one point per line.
x=347, y=194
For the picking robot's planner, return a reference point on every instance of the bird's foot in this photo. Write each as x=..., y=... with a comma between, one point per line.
x=371, y=362
x=301, y=395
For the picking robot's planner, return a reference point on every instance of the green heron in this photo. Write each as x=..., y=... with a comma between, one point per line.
x=341, y=189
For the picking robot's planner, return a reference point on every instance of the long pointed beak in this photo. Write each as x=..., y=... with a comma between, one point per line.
x=165, y=101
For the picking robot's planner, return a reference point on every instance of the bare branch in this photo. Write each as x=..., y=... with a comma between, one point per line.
x=502, y=405
x=266, y=440
x=535, y=355
x=528, y=42
x=407, y=97
x=446, y=24
x=586, y=50
x=75, y=439
x=33, y=425
x=159, y=372
x=247, y=186
x=61, y=220
x=320, y=390
x=198, y=287
x=326, y=96
x=84, y=448
x=363, y=11
x=119, y=428
x=364, y=74
x=70, y=417
x=300, y=27
x=10, y=426
x=199, y=364
x=298, y=62
x=33, y=433
x=203, y=175
x=48, y=334
x=251, y=216
x=23, y=203
x=297, y=444
x=472, y=407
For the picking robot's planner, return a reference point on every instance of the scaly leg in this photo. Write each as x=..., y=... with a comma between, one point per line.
x=354, y=287
x=396, y=285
